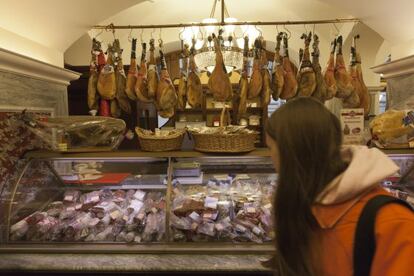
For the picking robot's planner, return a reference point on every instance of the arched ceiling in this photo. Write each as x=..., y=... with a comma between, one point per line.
x=57, y=24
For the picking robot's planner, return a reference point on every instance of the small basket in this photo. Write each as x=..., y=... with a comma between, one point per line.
x=160, y=143
x=224, y=143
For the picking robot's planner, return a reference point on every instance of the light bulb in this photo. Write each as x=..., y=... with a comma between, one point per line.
x=199, y=44
x=240, y=42
x=210, y=29
x=229, y=28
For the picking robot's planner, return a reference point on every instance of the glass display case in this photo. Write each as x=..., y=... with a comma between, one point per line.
x=149, y=202
x=139, y=202
x=401, y=185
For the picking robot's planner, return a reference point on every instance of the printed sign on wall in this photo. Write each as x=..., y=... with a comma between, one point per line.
x=352, y=123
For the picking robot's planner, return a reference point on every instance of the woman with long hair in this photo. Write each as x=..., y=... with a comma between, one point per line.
x=321, y=192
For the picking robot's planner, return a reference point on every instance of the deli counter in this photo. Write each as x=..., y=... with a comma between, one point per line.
x=176, y=204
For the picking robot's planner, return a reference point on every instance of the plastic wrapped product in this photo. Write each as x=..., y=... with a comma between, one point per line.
x=68, y=214
x=151, y=228
x=134, y=206
x=121, y=237
x=76, y=132
x=71, y=196
x=90, y=199
x=161, y=225
x=130, y=237
x=188, y=206
x=105, y=235
x=35, y=217
x=178, y=235
x=183, y=223
x=206, y=228
x=90, y=238
x=103, y=208
x=19, y=229
x=106, y=195
x=119, y=196
x=140, y=195
x=210, y=215
x=55, y=208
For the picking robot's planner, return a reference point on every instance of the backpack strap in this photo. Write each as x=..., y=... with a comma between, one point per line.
x=364, y=242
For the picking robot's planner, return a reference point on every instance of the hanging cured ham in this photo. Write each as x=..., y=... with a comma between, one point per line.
x=244, y=83
x=342, y=77
x=329, y=75
x=290, y=84
x=152, y=72
x=132, y=73
x=182, y=84
x=321, y=89
x=141, y=85
x=120, y=78
x=266, y=92
x=353, y=101
x=93, y=96
x=106, y=81
x=306, y=77
x=362, y=91
x=194, y=86
x=278, y=79
x=219, y=82
x=165, y=92
x=256, y=80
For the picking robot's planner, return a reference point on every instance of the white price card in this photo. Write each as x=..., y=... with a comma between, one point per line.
x=352, y=125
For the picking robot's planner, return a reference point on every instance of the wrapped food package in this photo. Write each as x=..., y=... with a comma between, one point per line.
x=74, y=133
x=240, y=211
x=97, y=216
x=392, y=127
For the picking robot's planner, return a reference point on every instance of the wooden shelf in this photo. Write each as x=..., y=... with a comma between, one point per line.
x=251, y=109
x=42, y=154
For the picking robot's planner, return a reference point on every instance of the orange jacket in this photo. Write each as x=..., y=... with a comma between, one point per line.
x=394, y=232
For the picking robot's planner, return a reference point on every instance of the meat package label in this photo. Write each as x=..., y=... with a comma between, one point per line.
x=352, y=125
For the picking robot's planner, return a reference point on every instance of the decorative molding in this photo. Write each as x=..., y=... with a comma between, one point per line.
x=26, y=66
x=375, y=89
x=395, y=68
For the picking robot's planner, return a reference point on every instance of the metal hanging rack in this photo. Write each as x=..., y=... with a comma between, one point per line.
x=239, y=23
x=224, y=13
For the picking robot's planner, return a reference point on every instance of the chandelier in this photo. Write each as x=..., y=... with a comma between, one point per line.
x=231, y=46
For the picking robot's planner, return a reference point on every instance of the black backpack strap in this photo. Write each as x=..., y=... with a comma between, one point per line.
x=364, y=242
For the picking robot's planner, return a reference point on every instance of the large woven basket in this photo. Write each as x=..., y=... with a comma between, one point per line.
x=225, y=143
x=160, y=143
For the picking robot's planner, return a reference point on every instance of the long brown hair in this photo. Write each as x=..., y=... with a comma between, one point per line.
x=309, y=139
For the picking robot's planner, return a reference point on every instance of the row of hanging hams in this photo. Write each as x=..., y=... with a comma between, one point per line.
x=111, y=91
x=335, y=81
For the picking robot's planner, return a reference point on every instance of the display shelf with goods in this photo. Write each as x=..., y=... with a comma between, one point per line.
x=123, y=201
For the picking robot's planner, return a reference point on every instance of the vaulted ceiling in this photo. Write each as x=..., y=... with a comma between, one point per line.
x=57, y=24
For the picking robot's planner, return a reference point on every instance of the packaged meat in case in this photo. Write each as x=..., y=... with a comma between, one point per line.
x=221, y=211
x=76, y=133
x=97, y=216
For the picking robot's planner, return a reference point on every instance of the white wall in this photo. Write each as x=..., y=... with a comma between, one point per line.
x=18, y=44
x=401, y=50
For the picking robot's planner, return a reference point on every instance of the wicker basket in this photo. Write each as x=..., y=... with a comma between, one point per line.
x=160, y=143
x=225, y=143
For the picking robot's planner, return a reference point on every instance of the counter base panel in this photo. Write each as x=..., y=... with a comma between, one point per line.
x=160, y=248
x=133, y=262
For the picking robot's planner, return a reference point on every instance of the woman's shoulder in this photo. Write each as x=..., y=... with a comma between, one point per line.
x=389, y=212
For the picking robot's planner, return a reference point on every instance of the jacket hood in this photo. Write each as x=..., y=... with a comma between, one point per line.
x=367, y=167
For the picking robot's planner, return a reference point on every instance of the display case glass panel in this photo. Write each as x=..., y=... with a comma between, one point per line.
x=222, y=199
x=87, y=200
